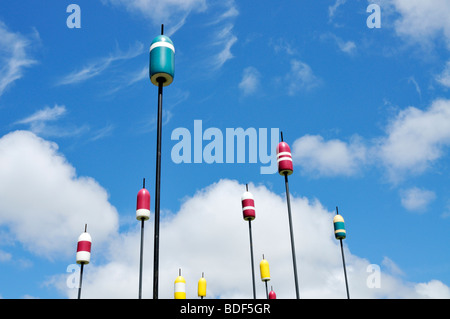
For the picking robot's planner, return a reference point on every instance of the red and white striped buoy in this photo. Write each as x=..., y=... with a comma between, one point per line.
x=248, y=206
x=284, y=159
x=84, y=248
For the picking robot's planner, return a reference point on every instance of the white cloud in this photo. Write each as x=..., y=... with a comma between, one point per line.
x=332, y=9
x=329, y=158
x=14, y=56
x=46, y=114
x=348, y=47
x=100, y=65
x=38, y=123
x=250, y=80
x=415, y=139
x=433, y=289
x=422, y=21
x=416, y=199
x=208, y=235
x=300, y=78
x=224, y=39
x=444, y=77
x=43, y=204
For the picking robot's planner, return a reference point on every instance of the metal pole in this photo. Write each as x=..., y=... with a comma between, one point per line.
x=294, y=259
x=345, y=271
x=267, y=290
x=251, y=255
x=157, y=190
x=141, y=258
x=81, y=281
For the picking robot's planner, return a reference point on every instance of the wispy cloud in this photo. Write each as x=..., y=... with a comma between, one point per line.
x=301, y=77
x=332, y=9
x=13, y=55
x=46, y=114
x=100, y=65
x=38, y=123
x=348, y=47
x=250, y=81
x=173, y=13
x=129, y=79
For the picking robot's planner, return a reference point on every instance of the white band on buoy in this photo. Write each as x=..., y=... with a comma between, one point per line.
x=162, y=44
x=284, y=159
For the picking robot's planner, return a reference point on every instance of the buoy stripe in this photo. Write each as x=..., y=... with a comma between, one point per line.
x=248, y=202
x=248, y=208
x=180, y=287
x=84, y=246
x=162, y=44
x=284, y=153
x=284, y=159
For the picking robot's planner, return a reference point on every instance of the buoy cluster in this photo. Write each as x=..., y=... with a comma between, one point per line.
x=161, y=73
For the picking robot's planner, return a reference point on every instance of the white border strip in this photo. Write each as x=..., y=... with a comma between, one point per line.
x=162, y=44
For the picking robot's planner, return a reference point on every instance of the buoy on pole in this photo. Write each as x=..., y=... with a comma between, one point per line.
x=180, y=287
x=83, y=256
x=265, y=273
x=340, y=234
x=142, y=214
x=248, y=211
x=285, y=168
x=202, y=287
x=272, y=294
x=161, y=71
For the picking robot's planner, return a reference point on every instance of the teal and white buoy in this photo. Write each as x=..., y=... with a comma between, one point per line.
x=340, y=233
x=161, y=71
x=162, y=60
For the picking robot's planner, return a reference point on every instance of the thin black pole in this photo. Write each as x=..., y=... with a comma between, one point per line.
x=294, y=259
x=81, y=281
x=343, y=262
x=267, y=290
x=251, y=255
x=345, y=271
x=141, y=258
x=157, y=190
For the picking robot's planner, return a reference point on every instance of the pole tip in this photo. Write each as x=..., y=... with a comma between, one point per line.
x=281, y=133
x=85, y=228
x=162, y=29
x=143, y=182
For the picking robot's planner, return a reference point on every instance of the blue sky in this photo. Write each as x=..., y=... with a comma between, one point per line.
x=366, y=112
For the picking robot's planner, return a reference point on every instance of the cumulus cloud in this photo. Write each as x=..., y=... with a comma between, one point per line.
x=207, y=234
x=423, y=21
x=329, y=158
x=414, y=139
x=43, y=203
x=416, y=199
x=47, y=212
